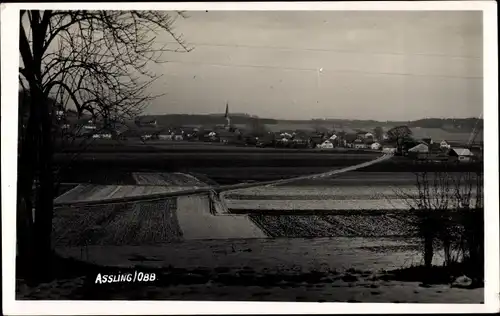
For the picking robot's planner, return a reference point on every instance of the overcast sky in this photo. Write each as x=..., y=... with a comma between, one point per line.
x=333, y=64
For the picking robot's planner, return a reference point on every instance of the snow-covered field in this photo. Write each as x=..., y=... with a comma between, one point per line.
x=243, y=256
x=318, y=270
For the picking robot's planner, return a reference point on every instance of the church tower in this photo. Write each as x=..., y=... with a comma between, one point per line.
x=228, y=119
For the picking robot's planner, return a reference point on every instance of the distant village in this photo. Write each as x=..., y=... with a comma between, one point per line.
x=417, y=146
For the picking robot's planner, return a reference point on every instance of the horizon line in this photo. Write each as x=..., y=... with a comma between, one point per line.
x=313, y=119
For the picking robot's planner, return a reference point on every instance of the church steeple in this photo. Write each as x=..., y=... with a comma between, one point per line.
x=228, y=119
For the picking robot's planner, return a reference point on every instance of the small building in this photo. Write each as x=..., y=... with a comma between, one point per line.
x=358, y=144
x=376, y=146
x=300, y=142
x=420, y=151
x=420, y=148
x=444, y=144
x=326, y=145
x=461, y=154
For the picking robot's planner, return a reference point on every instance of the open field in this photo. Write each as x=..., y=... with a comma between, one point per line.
x=201, y=255
x=439, y=134
x=241, y=169
x=158, y=146
x=231, y=167
x=304, y=210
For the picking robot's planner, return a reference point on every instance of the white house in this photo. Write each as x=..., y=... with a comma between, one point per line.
x=360, y=146
x=444, y=144
x=376, y=146
x=326, y=145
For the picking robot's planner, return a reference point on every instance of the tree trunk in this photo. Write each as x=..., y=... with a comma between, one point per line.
x=25, y=181
x=45, y=196
x=427, y=232
x=428, y=251
x=24, y=227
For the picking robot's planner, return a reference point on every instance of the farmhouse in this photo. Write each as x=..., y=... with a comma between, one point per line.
x=420, y=151
x=326, y=145
x=300, y=141
x=376, y=146
x=461, y=154
x=359, y=144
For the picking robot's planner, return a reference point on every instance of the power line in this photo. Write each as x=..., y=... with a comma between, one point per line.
x=316, y=70
x=343, y=51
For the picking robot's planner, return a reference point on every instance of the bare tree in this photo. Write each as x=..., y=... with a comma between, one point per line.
x=98, y=61
x=399, y=134
x=449, y=214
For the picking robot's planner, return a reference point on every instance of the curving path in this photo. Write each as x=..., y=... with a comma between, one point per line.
x=212, y=189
